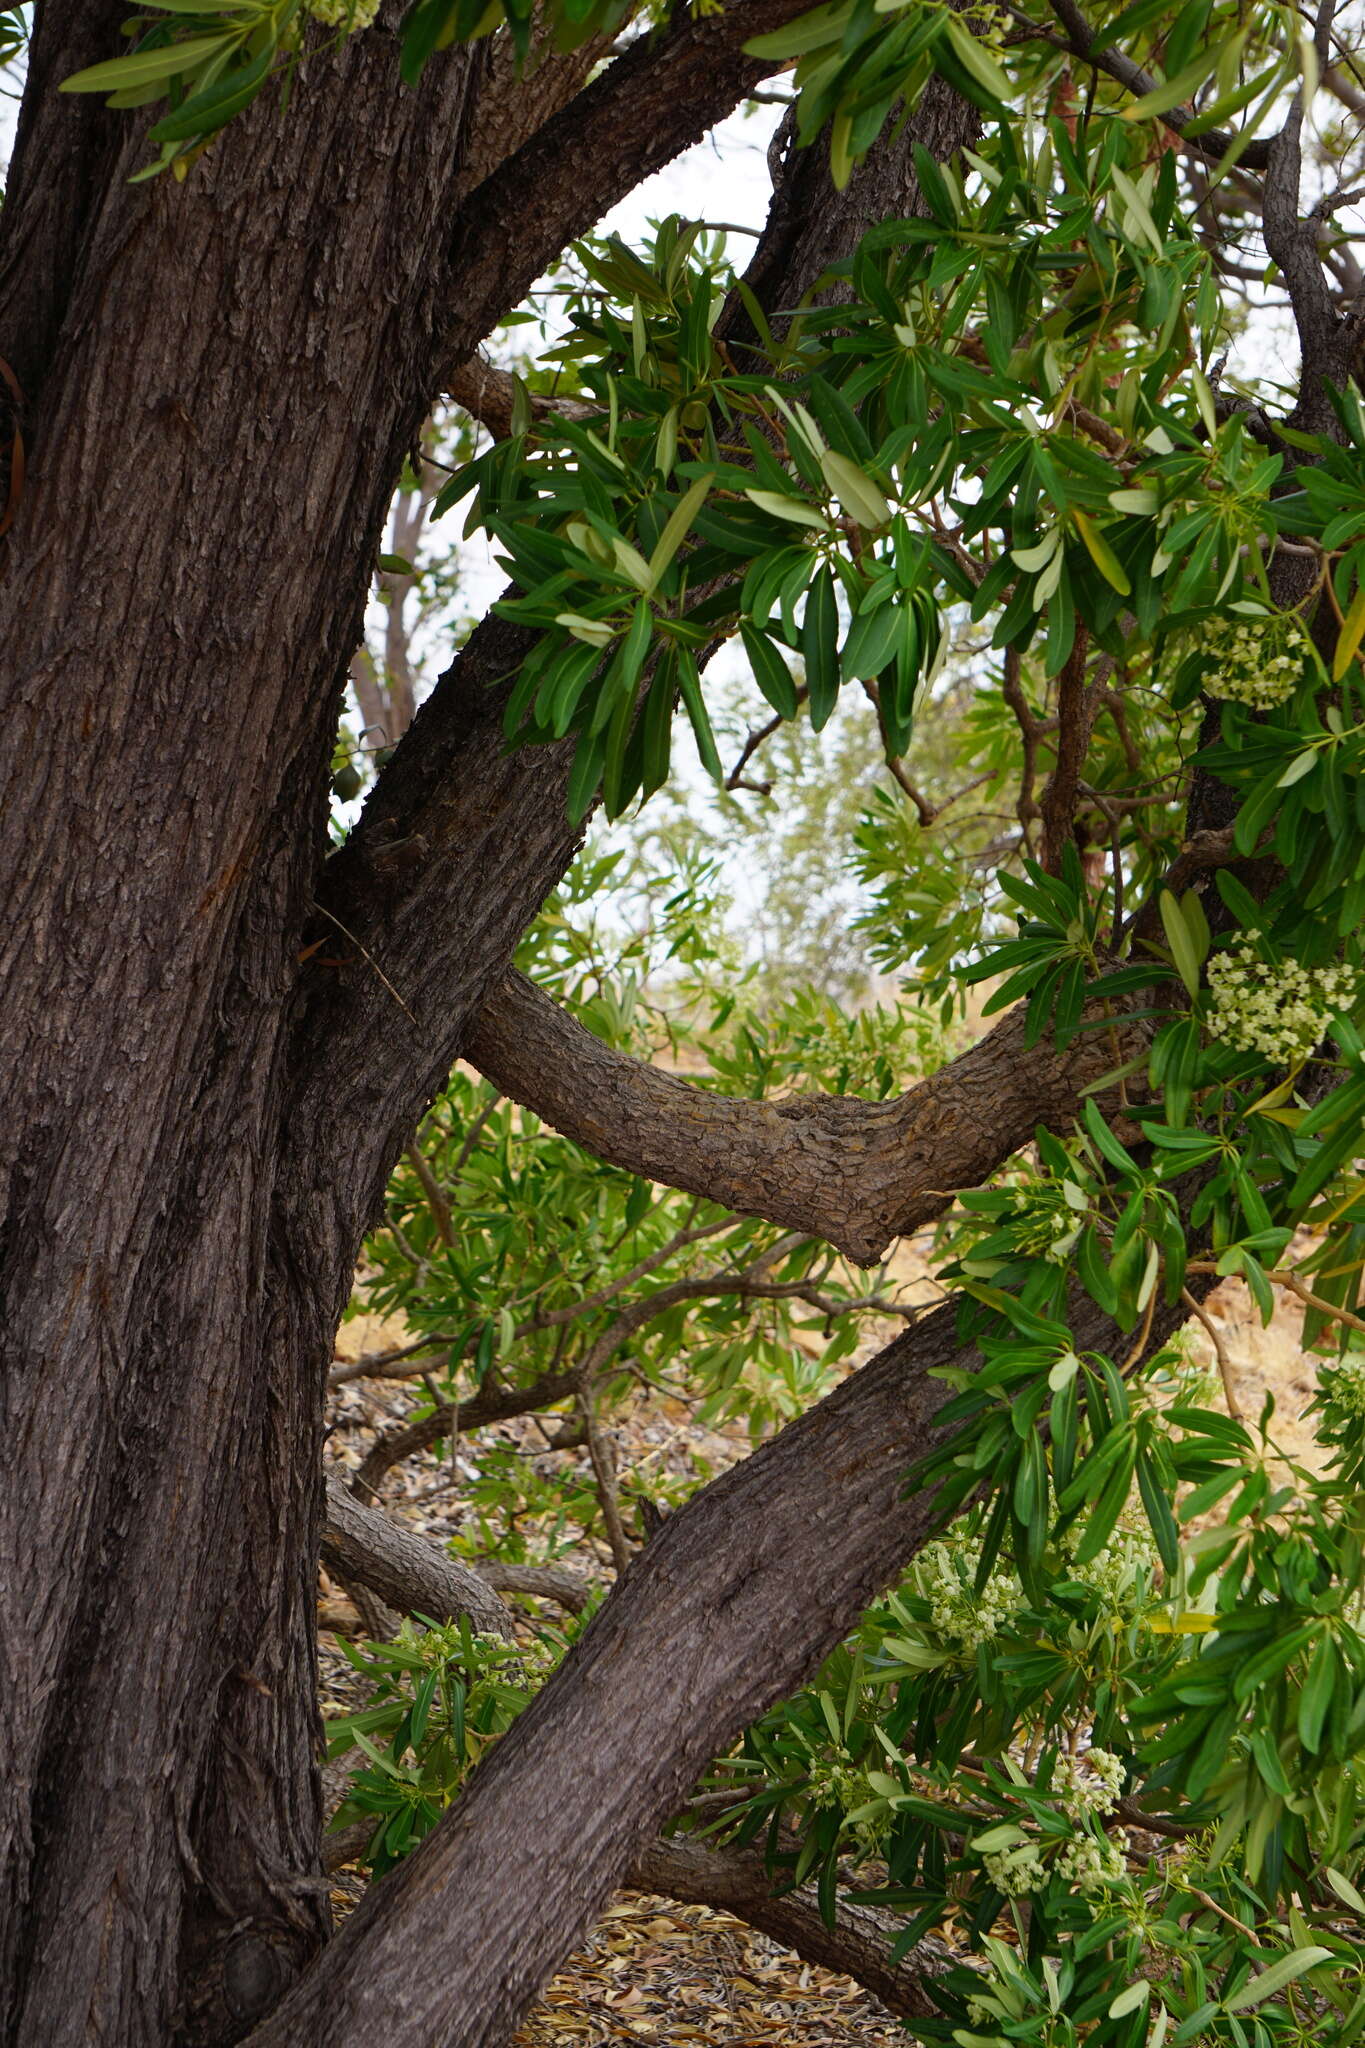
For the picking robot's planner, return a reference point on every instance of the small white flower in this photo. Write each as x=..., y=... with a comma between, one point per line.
x=1016, y=1872
x=1280, y=1012
x=1256, y=662
x=1088, y=1784
x=1092, y=1864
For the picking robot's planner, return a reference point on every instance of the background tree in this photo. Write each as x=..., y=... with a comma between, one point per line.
x=220, y=1035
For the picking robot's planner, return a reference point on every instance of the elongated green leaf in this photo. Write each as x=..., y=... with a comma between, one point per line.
x=172, y=60
x=794, y=509
x=771, y=673
x=1182, y=945
x=1268, y=1982
x=676, y=527
x=820, y=646
x=213, y=108
x=857, y=493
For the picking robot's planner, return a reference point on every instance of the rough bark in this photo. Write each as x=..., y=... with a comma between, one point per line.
x=162, y=1393
x=367, y=1545
x=856, y=1173
x=185, y=581
x=206, y=1081
x=733, y=1603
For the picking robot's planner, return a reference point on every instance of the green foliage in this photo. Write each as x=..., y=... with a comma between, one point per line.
x=538, y=1260
x=441, y=1696
x=989, y=479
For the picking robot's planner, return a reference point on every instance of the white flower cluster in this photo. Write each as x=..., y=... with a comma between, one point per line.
x=1091, y=1863
x=1016, y=1872
x=1256, y=662
x=1123, y=1572
x=349, y=15
x=945, y=1576
x=1088, y=1784
x=1280, y=1012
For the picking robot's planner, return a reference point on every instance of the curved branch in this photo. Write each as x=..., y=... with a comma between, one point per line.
x=368, y=1546
x=491, y=1404
x=660, y=95
x=853, y=1172
x=858, y=1944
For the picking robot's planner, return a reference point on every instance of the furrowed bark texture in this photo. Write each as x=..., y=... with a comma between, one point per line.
x=857, y=1173
x=222, y=379
x=733, y=1604
x=415, y=1577
x=171, y=673
x=215, y=1042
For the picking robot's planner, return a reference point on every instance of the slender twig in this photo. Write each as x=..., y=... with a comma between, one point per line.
x=1219, y=1352
x=431, y=1188
x=603, y=1456
x=1082, y=42
x=472, y=1134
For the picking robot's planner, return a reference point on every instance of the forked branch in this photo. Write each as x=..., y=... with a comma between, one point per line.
x=855, y=1173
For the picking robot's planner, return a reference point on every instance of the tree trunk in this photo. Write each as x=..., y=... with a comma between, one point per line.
x=221, y=381
x=213, y=1049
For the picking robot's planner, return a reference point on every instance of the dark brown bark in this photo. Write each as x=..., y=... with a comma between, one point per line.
x=733, y=1603
x=856, y=1173
x=184, y=588
x=369, y=1546
x=223, y=378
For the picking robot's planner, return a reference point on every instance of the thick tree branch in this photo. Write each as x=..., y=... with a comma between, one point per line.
x=858, y=1944
x=853, y=1172
x=567, y=1588
x=370, y=1547
x=655, y=99
x=735, y=1881
x=733, y=1603
x=488, y=395
x=460, y=840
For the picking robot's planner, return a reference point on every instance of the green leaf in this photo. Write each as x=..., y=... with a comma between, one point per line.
x=170, y=60
x=1178, y=938
x=677, y=525
x=1138, y=208
x=1349, y=638
x=1345, y=1891
x=977, y=61
x=771, y=673
x=1316, y=1697
x=1257, y=1989
x=1173, y=92
x=1101, y=554
x=213, y=108
x=820, y=646
x=857, y=493
x=690, y=685
x=808, y=32
x=795, y=509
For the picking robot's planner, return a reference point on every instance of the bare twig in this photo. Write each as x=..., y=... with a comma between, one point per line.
x=603, y=1455
x=1219, y=1352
